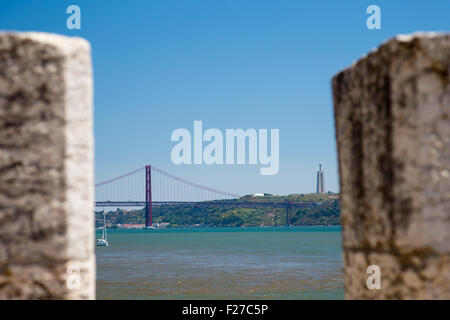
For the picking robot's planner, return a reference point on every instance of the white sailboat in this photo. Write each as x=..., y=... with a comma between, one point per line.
x=103, y=242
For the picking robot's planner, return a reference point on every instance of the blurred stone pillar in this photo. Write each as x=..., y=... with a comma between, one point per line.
x=392, y=118
x=46, y=168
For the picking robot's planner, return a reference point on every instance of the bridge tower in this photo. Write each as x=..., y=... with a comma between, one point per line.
x=148, y=196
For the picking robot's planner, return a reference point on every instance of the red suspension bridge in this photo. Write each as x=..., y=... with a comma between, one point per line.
x=164, y=189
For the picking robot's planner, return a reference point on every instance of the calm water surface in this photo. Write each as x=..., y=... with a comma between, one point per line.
x=222, y=263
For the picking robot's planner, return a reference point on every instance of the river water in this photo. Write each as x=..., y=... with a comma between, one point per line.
x=221, y=263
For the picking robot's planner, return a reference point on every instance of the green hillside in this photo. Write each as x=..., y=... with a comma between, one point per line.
x=327, y=212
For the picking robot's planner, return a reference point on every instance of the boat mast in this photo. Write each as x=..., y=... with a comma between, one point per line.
x=104, y=226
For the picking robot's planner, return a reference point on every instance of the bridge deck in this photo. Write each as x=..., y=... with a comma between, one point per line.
x=247, y=204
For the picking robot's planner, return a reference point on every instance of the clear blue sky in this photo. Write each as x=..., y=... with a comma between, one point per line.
x=160, y=65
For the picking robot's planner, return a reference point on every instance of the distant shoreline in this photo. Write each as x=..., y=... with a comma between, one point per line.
x=219, y=228
x=324, y=212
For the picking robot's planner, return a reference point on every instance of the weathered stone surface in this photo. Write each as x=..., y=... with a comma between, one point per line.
x=392, y=118
x=46, y=167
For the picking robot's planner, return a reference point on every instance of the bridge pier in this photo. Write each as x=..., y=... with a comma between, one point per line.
x=288, y=214
x=288, y=219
